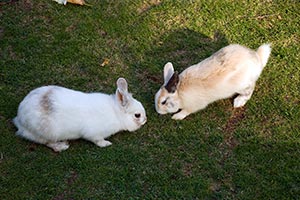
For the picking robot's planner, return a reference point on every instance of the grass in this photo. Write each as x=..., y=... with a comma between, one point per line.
x=217, y=153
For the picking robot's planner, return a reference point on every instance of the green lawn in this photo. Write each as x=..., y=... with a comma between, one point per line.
x=217, y=153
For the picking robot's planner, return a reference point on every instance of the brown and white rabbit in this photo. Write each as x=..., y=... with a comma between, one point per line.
x=232, y=70
x=51, y=115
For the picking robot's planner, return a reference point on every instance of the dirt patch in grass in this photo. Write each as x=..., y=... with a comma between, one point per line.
x=215, y=186
x=69, y=182
x=187, y=169
x=226, y=148
x=238, y=115
x=146, y=6
x=147, y=76
x=8, y=1
x=230, y=142
x=26, y=5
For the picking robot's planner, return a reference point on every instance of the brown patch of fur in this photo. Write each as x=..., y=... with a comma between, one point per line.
x=46, y=102
x=214, y=69
x=194, y=79
x=220, y=56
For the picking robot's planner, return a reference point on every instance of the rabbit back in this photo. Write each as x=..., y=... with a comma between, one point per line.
x=233, y=65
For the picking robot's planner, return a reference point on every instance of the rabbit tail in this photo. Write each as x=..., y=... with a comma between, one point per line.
x=264, y=52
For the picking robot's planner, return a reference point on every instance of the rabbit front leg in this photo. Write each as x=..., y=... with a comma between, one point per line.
x=99, y=141
x=180, y=115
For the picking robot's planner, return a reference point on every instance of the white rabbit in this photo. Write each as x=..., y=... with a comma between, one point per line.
x=51, y=115
x=232, y=70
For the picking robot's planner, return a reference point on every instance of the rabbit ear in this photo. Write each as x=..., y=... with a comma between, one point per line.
x=122, y=85
x=122, y=92
x=171, y=86
x=168, y=72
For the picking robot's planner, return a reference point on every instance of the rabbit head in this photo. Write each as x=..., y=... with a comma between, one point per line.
x=133, y=112
x=167, y=99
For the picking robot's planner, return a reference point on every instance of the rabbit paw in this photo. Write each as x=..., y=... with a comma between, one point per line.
x=103, y=143
x=240, y=101
x=180, y=116
x=58, y=146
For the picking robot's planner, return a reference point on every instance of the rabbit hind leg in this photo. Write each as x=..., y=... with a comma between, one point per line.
x=58, y=146
x=243, y=96
x=101, y=142
x=23, y=132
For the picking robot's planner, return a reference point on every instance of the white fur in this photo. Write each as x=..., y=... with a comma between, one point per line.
x=51, y=115
x=232, y=70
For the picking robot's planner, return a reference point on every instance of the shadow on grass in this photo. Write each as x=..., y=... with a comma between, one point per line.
x=185, y=47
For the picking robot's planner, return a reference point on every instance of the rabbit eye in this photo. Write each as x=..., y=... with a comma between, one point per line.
x=165, y=101
x=137, y=115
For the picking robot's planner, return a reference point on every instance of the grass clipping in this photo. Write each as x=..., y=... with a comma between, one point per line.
x=79, y=2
